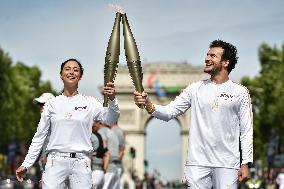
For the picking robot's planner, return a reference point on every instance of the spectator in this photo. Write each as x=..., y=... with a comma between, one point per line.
x=280, y=179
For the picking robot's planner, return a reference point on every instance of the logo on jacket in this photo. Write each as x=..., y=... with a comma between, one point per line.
x=80, y=108
x=226, y=96
x=68, y=115
x=218, y=100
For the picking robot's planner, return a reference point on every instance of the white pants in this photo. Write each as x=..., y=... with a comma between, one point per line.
x=111, y=180
x=59, y=167
x=97, y=178
x=119, y=171
x=207, y=177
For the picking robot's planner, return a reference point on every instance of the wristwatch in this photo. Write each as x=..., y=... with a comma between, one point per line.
x=150, y=107
x=249, y=164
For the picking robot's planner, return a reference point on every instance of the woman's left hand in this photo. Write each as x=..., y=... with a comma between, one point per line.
x=109, y=90
x=244, y=173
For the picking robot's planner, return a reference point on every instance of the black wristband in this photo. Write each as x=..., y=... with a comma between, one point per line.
x=249, y=164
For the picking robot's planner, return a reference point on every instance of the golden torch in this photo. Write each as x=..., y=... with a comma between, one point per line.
x=112, y=55
x=132, y=56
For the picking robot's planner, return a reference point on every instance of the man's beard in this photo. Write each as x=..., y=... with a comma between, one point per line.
x=214, y=71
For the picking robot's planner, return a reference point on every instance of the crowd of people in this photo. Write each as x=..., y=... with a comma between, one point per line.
x=154, y=181
x=273, y=178
x=14, y=156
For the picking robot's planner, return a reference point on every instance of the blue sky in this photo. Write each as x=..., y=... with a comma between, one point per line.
x=163, y=148
x=45, y=33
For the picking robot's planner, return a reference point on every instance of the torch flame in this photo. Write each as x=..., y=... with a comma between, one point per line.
x=116, y=8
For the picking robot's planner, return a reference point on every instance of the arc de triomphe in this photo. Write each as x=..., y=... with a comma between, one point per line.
x=170, y=76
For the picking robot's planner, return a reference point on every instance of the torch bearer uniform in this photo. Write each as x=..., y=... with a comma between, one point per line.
x=221, y=117
x=69, y=120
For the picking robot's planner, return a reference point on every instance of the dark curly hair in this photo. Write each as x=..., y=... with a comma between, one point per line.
x=75, y=60
x=230, y=52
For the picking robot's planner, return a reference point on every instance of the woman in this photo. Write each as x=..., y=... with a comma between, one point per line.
x=70, y=117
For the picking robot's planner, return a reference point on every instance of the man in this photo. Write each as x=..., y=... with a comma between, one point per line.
x=110, y=140
x=42, y=100
x=221, y=119
x=121, y=147
x=100, y=158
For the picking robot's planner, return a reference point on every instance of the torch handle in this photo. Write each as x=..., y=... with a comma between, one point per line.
x=140, y=106
x=140, y=90
x=105, y=104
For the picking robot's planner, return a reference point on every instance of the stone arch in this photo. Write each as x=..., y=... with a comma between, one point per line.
x=133, y=119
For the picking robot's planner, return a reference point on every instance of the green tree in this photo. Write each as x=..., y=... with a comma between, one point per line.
x=267, y=93
x=20, y=84
x=6, y=90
